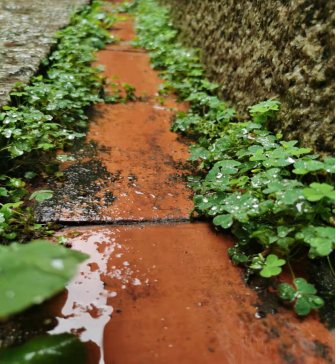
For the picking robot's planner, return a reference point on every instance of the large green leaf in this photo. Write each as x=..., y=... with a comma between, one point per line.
x=31, y=273
x=51, y=349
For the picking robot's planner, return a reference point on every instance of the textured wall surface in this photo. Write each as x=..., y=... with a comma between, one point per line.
x=27, y=28
x=260, y=49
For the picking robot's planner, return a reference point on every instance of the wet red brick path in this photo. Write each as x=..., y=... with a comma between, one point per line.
x=158, y=291
x=146, y=163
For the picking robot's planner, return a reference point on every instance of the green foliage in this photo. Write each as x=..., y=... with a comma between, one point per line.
x=17, y=220
x=125, y=7
x=268, y=267
x=318, y=191
x=48, y=110
x=304, y=296
x=47, y=114
x=51, y=349
x=253, y=182
x=41, y=195
x=33, y=272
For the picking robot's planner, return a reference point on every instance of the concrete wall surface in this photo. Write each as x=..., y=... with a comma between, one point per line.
x=26, y=36
x=259, y=49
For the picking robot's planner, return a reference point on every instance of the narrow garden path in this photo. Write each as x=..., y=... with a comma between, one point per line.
x=158, y=289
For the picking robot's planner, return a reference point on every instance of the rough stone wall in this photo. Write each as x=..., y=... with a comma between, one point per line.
x=259, y=49
x=27, y=28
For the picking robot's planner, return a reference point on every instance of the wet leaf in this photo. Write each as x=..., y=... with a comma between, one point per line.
x=62, y=239
x=227, y=166
x=286, y=292
x=284, y=185
x=320, y=239
x=34, y=272
x=16, y=183
x=64, y=158
x=41, y=195
x=3, y=191
x=51, y=349
x=30, y=175
x=283, y=231
x=285, y=243
x=264, y=107
x=317, y=191
x=225, y=221
x=265, y=237
x=272, y=266
x=303, y=286
x=6, y=210
x=329, y=164
x=302, y=306
x=304, y=295
x=309, y=166
x=324, y=248
x=239, y=258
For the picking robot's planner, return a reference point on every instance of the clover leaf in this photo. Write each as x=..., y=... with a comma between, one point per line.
x=6, y=209
x=320, y=239
x=227, y=166
x=225, y=221
x=283, y=185
x=3, y=191
x=283, y=231
x=265, y=236
x=317, y=191
x=329, y=164
x=239, y=258
x=264, y=107
x=269, y=266
x=304, y=295
x=237, y=255
x=30, y=175
x=16, y=183
x=64, y=158
x=197, y=153
x=41, y=195
x=305, y=166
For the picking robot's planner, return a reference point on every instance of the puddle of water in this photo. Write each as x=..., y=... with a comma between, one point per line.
x=88, y=307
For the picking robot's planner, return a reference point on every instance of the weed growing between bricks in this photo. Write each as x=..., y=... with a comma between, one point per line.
x=275, y=196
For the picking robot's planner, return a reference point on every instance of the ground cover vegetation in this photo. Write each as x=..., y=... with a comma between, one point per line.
x=47, y=115
x=275, y=196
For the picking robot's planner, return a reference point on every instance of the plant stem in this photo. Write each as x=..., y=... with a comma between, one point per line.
x=316, y=211
x=292, y=255
x=290, y=267
x=330, y=266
